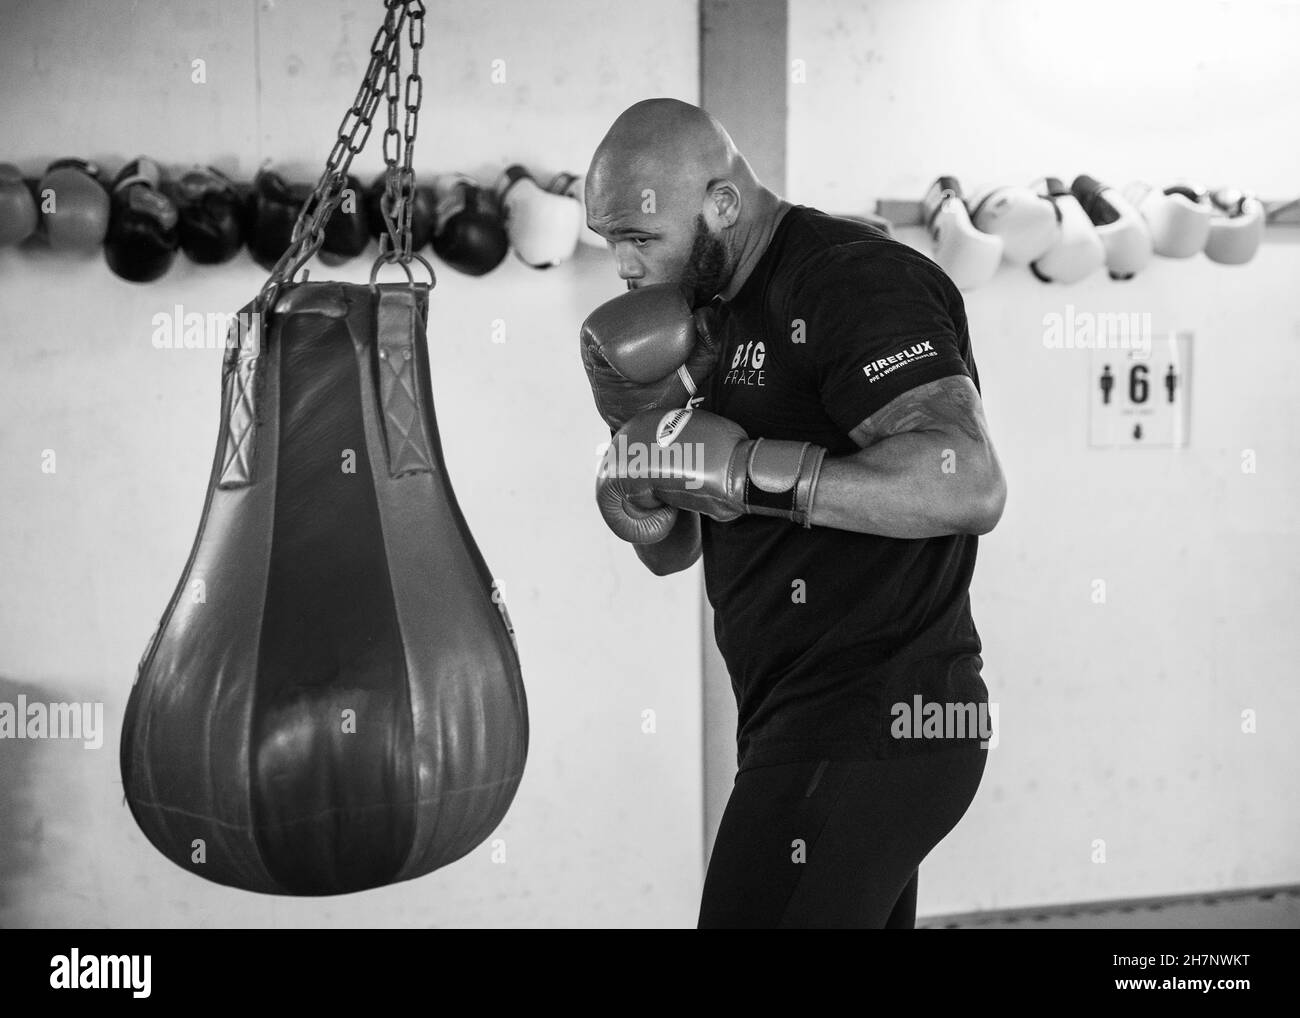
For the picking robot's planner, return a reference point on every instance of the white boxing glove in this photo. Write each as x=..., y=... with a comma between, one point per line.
x=968, y=256
x=1078, y=251
x=1178, y=217
x=543, y=227
x=1121, y=227
x=1027, y=222
x=1236, y=227
x=573, y=185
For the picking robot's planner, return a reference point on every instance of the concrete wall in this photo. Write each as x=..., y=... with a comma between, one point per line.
x=606, y=828
x=1121, y=721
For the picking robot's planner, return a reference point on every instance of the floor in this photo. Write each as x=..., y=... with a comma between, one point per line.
x=1276, y=908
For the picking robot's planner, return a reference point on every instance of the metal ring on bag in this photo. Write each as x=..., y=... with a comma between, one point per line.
x=392, y=257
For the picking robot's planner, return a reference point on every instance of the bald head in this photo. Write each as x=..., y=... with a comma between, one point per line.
x=670, y=147
x=670, y=192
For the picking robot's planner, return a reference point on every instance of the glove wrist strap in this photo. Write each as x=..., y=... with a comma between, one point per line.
x=781, y=479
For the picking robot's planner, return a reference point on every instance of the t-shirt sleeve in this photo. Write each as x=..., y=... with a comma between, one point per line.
x=876, y=328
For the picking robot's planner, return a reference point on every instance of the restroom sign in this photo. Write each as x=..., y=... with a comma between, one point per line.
x=1142, y=397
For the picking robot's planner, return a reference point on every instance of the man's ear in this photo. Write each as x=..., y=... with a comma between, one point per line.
x=722, y=205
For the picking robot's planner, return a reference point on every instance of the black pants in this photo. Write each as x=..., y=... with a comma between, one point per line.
x=834, y=844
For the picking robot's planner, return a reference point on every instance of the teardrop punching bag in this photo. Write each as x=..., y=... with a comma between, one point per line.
x=332, y=700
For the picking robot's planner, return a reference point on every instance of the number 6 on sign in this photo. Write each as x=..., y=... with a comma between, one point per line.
x=1142, y=399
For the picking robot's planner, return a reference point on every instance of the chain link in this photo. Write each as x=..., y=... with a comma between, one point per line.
x=398, y=202
x=380, y=80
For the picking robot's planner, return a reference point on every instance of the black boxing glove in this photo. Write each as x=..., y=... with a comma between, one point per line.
x=470, y=232
x=270, y=214
x=422, y=212
x=142, y=227
x=423, y=215
x=209, y=208
x=348, y=232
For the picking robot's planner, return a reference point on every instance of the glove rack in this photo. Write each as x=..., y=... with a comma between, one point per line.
x=1284, y=212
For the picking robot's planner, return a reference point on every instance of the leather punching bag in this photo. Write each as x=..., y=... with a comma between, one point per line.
x=332, y=700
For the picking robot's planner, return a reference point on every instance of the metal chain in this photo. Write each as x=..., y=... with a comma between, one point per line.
x=398, y=201
x=354, y=131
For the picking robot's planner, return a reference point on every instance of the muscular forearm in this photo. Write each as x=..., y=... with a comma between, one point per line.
x=914, y=485
x=677, y=551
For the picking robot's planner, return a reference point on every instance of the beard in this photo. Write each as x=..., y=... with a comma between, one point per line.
x=707, y=268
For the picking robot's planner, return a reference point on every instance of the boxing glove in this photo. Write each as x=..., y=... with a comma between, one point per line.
x=1236, y=227
x=469, y=233
x=142, y=236
x=1178, y=217
x=542, y=227
x=74, y=206
x=208, y=208
x=1077, y=251
x=1120, y=226
x=646, y=350
x=1027, y=222
x=573, y=185
x=698, y=461
x=631, y=509
x=968, y=256
x=17, y=207
x=271, y=211
x=423, y=212
x=347, y=232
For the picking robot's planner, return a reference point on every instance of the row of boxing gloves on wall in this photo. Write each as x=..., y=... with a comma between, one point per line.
x=143, y=217
x=1066, y=234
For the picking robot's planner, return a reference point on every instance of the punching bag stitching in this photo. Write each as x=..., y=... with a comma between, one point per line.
x=442, y=793
x=405, y=442
x=440, y=490
x=244, y=364
x=331, y=639
x=127, y=747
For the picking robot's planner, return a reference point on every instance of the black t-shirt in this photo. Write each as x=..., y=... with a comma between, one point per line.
x=824, y=630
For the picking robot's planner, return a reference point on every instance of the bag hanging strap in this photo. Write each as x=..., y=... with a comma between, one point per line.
x=244, y=340
x=400, y=397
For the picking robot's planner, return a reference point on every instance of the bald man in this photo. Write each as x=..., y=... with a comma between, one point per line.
x=862, y=732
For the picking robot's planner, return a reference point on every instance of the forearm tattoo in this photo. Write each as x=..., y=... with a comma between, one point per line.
x=950, y=405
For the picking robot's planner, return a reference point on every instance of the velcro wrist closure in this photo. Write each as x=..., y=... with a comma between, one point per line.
x=781, y=479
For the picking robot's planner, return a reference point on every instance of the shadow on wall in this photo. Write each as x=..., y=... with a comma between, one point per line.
x=21, y=824
x=42, y=799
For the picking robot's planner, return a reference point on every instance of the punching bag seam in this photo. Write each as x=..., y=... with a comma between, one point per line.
x=224, y=403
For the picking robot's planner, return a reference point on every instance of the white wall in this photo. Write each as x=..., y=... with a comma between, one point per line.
x=606, y=829
x=1119, y=721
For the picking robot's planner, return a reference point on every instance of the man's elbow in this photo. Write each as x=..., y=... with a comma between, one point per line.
x=987, y=507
